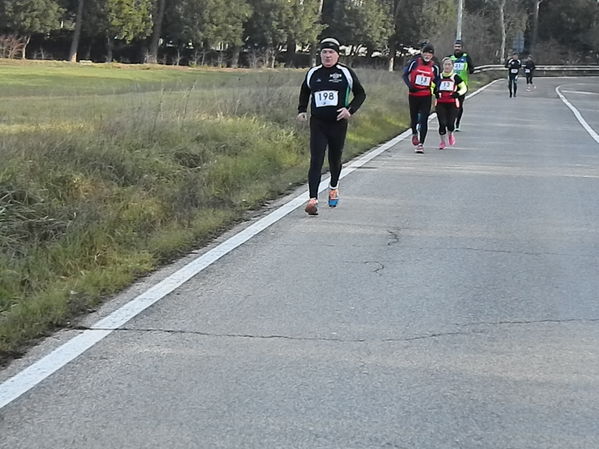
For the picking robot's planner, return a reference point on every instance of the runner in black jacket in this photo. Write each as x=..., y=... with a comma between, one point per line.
x=529, y=71
x=328, y=87
x=513, y=66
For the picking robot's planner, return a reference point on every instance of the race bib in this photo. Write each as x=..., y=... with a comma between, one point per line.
x=326, y=98
x=514, y=70
x=459, y=66
x=446, y=86
x=526, y=70
x=422, y=80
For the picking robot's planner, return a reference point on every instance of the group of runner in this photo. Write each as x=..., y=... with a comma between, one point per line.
x=446, y=87
x=514, y=65
x=327, y=88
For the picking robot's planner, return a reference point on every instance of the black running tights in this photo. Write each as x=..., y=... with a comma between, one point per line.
x=420, y=108
x=446, y=114
x=513, y=82
x=325, y=134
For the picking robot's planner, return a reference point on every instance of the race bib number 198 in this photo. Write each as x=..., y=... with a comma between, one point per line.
x=326, y=98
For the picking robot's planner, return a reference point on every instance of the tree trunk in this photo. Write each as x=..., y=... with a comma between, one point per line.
x=535, y=26
x=153, y=56
x=27, y=40
x=235, y=56
x=88, y=51
x=77, y=33
x=392, y=51
x=314, y=48
x=109, y=46
x=291, y=49
x=503, y=30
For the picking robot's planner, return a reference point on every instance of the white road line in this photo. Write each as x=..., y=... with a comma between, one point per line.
x=579, y=92
x=31, y=376
x=578, y=115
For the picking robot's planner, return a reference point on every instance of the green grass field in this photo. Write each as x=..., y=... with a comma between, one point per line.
x=109, y=171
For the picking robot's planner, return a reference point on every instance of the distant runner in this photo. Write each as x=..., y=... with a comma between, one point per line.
x=420, y=75
x=513, y=66
x=464, y=67
x=448, y=91
x=529, y=71
x=327, y=87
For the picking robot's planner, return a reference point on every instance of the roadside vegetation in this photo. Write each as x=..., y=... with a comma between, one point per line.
x=109, y=171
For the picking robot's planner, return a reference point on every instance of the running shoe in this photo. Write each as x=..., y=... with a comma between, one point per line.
x=442, y=145
x=415, y=140
x=312, y=207
x=451, y=139
x=419, y=148
x=457, y=129
x=333, y=197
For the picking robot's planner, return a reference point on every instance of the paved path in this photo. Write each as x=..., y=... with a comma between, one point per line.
x=451, y=301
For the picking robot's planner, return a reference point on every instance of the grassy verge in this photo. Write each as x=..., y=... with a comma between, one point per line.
x=108, y=172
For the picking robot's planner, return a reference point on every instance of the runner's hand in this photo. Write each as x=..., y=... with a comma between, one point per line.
x=343, y=114
x=302, y=116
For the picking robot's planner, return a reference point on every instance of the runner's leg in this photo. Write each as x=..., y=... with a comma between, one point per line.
x=424, y=108
x=318, y=146
x=442, y=117
x=336, y=138
x=413, y=101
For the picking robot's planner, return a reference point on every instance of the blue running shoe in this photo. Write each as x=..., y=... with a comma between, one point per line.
x=333, y=197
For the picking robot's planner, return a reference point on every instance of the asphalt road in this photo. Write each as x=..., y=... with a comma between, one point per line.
x=450, y=301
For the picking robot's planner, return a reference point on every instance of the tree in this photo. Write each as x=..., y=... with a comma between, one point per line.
x=27, y=17
x=203, y=24
x=159, y=8
x=303, y=23
x=512, y=18
x=127, y=20
x=362, y=23
x=77, y=32
x=267, y=29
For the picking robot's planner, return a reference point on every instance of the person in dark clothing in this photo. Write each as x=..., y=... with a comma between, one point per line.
x=529, y=71
x=513, y=66
x=328, y=88
x=420, y=75
x=463, y=67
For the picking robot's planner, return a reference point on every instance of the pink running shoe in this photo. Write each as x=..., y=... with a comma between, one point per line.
x=451, y=139
x=442, y=145
x=415, y=140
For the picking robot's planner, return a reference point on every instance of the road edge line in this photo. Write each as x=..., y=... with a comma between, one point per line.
x=578, y=115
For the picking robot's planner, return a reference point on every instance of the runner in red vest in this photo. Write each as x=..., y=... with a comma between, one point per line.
x=448, y=90
x=420, y=76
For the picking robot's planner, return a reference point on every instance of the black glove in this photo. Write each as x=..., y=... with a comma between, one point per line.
x=455, y=95
x=437, y=94
x=413, y=89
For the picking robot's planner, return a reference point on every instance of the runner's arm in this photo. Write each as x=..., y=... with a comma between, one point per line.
x=470, y=64
x=304, y=98
x=359, y=94
x=406, y=75
x=462, y=88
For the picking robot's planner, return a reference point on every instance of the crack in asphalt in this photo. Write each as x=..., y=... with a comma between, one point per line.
x=525, y=322
x=394, y=238
x=428, y=336
x=377, y=270
x=284, y=337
